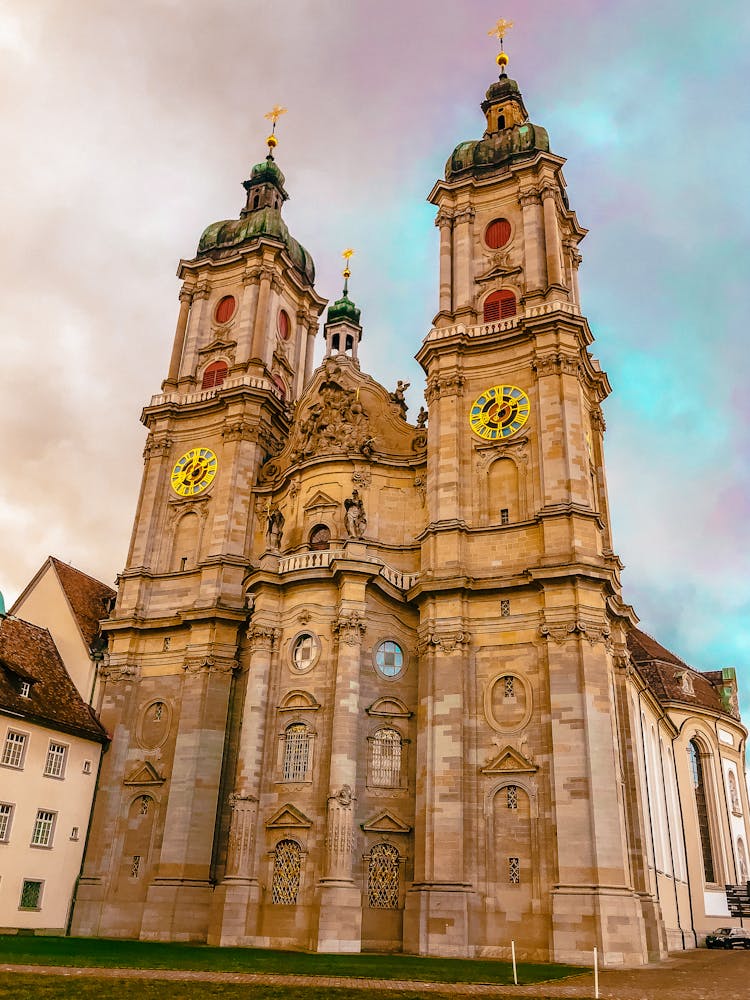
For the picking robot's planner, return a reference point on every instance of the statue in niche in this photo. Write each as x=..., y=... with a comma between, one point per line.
x=355, y=517
x=398, y=396
x=274, y=527
x=422, y=418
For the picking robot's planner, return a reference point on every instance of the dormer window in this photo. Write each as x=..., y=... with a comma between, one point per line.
x=499, y=305
x=25, y=689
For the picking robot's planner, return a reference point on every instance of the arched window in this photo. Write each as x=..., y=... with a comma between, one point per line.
x=287, y=868
x=733, y=795
x=214, y=375
x=701, y=805
x=320, y=537
x=296, y=752
x=383, y=877
x=499, y=305
x=385, y=758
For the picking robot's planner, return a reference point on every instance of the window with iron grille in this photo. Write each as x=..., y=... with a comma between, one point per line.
x=31, y=895
x=505, y=515
x=385, y=758
x=6, y=814
x=135, y=866
x=512, y=797
x=145, y=804
x=296, y=752
x=55, y=765
x=505, y=608
x=287, y=868
x=509, y=691
x=43, y=828
x=382, y=877
x=514, y=871
x=14, y=749
x=159, y=707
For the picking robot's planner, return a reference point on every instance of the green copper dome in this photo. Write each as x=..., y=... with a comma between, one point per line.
x=260, y=217
x=509, y=136
x=343, y=309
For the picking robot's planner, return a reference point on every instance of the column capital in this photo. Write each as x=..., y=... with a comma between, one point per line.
x=464, y=214
x=262, y=637
x=202, y=289
x=186, y=293
x=349, y=628
x=444, y=218
x=434, y=639
x=527, y=198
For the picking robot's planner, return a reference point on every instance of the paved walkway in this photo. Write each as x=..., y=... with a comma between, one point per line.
x=692, y=975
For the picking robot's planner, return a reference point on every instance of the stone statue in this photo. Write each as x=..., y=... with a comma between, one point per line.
x=398, y=396
x=274, y=528
x=422, y=418
x=355, y=517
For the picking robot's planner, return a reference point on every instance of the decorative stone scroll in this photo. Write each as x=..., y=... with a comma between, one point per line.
x=114, y=671
x=445, y=641
x=592, y=631
x=241, y=835
x=215, y=664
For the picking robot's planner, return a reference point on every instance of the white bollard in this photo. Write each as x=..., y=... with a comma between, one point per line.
x=513, y=955
x=596, y=975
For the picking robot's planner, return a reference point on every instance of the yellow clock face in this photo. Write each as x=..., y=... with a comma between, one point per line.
x=499, y=412
x=194, y=472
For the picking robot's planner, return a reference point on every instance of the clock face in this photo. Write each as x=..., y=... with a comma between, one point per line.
x=499, y=412
x=194, y=472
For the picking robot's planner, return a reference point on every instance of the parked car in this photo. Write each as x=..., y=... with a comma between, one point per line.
x=728, y=937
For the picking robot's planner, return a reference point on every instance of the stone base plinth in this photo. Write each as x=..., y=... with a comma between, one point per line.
x=610, y=919
x=176, y=910
x=339, y=917
x=235, y=911
x=436, y=920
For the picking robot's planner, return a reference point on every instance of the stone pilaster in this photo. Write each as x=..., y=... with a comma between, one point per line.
x=186, y=298
x=340, y=904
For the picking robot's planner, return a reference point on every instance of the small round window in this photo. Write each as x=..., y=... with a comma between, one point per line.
x=225, y=309
x=305, y=649
x=389, y=658
x=283, y=325
x=497, y=234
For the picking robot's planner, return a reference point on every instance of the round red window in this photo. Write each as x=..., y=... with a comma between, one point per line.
x=497, y=234
x=225, y=309
x=284, y=325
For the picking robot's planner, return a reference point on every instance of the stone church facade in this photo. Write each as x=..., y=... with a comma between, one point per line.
x=371, y=684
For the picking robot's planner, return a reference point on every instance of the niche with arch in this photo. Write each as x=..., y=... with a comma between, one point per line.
x=186, y=542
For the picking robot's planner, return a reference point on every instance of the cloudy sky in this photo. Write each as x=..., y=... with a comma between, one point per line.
x=128, y=127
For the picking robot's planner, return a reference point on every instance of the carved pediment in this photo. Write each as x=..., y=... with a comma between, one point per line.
x=386, y=822
x=319, y=501
x=144, y=773
x=391, y=707
x=499, y=266
x=288, y=818
x=219, y=346
x=509, y=761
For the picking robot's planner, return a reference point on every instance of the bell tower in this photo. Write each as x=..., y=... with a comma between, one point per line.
x=243, y=352
x=520, y=814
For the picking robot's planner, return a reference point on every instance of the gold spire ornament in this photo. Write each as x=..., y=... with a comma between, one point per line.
x=273, y=116
x=499, y=31
x=347, y=255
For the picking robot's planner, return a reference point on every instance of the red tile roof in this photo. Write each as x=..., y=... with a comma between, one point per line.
x=664, y=671
x=89, y=598
x=28, y=653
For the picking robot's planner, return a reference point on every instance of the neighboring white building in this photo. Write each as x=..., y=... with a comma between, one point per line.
x=70, y=604
x=50, y=746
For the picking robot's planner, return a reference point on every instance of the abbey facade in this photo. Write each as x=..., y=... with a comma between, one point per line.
x=371, y=684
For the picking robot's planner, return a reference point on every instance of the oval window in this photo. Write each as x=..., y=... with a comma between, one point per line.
x=497, y=234
x=283, y=325
x=305, y=651
x=389, y=658
x=225, y=309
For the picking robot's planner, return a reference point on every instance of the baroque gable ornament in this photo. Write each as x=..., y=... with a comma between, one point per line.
x=509, y=761
x=335, y=423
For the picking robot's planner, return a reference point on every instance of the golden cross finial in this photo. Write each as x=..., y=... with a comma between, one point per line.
x=275, y=113
x=347, y=255
x=500, y=29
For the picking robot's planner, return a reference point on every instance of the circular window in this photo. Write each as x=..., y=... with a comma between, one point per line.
x=305, y=651
x=283, y=325
x=389, y=658
x=225, y=309
x=497, y=234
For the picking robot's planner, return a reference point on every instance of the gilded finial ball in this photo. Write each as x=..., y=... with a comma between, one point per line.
x=346, y=272
x=272, y=141
x=502, y=59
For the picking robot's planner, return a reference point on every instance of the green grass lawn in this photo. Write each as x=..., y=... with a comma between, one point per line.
x=108, y=953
